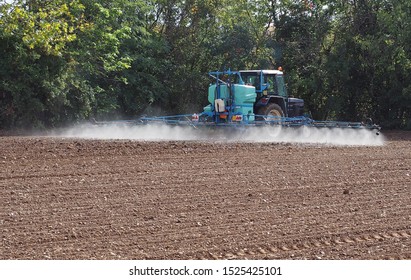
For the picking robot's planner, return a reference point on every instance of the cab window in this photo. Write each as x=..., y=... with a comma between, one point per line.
x=271, y=83
x=280, y=85
x=251, y=79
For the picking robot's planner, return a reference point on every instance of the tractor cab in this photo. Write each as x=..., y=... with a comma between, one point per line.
x=272, y=97
x=266, y=82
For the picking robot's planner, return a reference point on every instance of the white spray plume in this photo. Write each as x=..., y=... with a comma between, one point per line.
x=157, y=132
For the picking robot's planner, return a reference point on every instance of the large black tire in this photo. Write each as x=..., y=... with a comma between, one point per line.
x=271, y=109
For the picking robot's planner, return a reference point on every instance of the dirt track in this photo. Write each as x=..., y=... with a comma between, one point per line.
x=85, y=199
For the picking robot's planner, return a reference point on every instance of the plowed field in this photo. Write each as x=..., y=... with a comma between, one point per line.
x=63, y=198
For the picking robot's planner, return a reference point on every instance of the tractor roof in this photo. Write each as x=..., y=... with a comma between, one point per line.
x=264, y=71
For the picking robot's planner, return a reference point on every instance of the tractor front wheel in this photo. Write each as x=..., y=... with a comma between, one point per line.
x=271, y=110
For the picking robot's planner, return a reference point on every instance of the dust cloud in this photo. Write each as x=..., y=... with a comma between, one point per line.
x=162, y=132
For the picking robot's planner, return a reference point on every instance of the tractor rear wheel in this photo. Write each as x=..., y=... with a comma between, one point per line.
x=271, y=110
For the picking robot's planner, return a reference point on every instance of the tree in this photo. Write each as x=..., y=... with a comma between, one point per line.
x=33, y=38
x=67, y=61
x=369, y=63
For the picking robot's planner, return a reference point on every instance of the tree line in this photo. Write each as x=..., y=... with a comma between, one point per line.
x=68, y=61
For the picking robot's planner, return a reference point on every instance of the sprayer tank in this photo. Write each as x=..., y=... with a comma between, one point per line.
x=244, y=97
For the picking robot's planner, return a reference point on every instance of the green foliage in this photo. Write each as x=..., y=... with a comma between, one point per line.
x=65, y=61
x=47, y=26
x=33, y=39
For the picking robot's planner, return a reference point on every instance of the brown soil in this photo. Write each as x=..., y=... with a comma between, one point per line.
x=85, y=199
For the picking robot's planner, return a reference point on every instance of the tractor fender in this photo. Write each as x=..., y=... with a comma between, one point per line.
x=264, y=101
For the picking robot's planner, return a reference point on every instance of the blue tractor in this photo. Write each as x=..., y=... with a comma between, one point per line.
x=250, y=96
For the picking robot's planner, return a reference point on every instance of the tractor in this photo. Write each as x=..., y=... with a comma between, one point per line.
x=252, y=98
x=250, y=95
